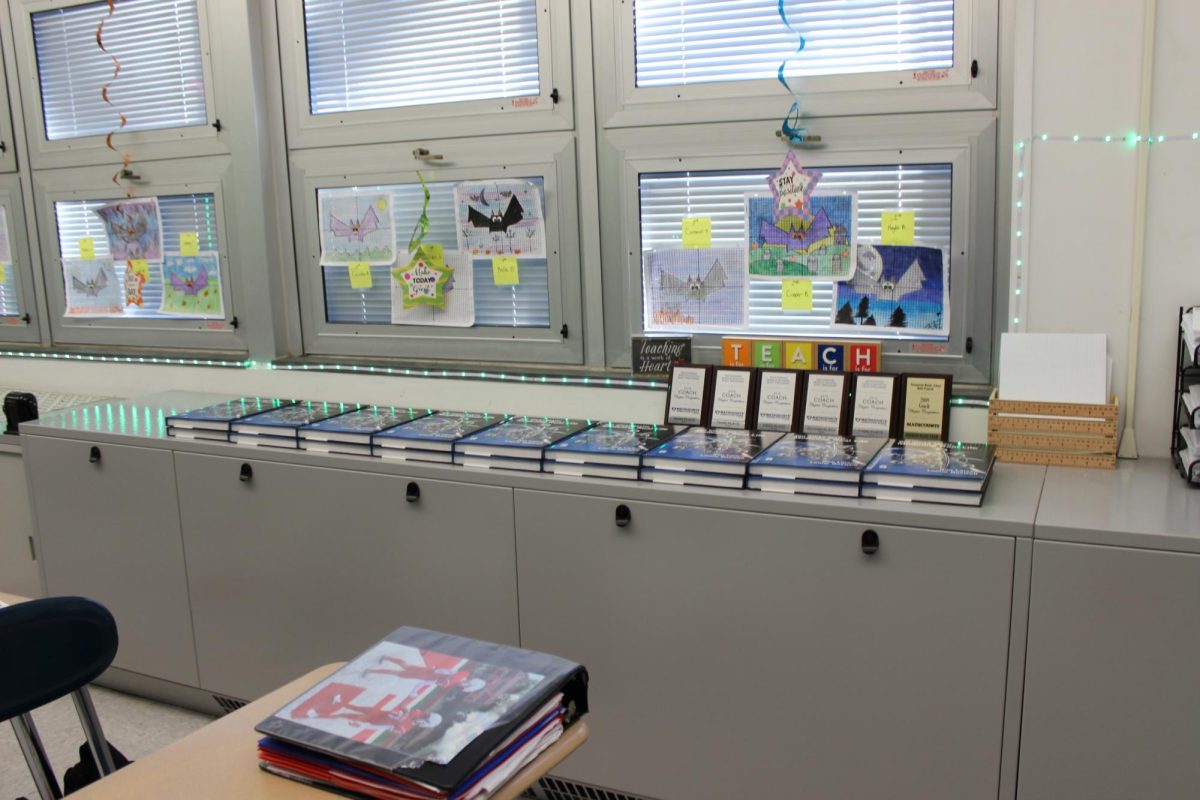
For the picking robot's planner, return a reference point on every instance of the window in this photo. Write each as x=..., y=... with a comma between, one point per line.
x=76, y=220
x=18, y=306
x=525, y=305
x=682, y=42
x=161, y=82
x=666, y=198
x=379, y=54
x=10, y=301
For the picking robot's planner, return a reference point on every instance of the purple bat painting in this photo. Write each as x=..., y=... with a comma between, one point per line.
x=189, y=284
x=355, y=230
x=789, y=247
x=818, y=230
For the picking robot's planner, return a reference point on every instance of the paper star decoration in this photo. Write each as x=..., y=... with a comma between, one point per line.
x=792, y=187
x=423, y=283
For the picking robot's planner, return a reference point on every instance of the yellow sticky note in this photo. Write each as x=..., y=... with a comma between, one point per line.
x=504, y=271
x=697, y=232
x=142, y=267
x=189, y=243
x=797, y=294
x=87, y=249
x=897, y=227
x=360, y=275
x=3, y=275
x=433, y=254
x=381, y=204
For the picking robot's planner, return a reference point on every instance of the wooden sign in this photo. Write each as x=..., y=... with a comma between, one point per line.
x=655, y=355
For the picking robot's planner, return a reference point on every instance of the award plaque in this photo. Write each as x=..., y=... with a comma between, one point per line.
x=925, y=410
x=689, y=394
x=826, y=397
x=874, y=405
x=732, y=398
x=779, y=392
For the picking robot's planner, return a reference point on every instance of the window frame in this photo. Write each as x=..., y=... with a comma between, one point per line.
x=201, y=175
x=435, y=120
x=966, y=140
x=8, y=131
x=191, y=140
x=549, y=155
x=621, y=103
x=18, y=329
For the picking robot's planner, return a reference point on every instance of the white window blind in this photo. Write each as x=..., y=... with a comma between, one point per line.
x=161, y=84
x=180, y=214
x=365, y=54
x=680, y=42
x=667, y=198
x=10, y=304
x=525, y=305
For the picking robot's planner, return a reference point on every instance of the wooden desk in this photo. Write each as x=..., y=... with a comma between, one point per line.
x=220, y=760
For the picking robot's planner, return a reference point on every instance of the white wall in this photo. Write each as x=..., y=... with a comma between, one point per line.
x=1085, y=79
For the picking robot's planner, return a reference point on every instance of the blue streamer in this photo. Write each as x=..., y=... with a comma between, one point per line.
x=791, y=130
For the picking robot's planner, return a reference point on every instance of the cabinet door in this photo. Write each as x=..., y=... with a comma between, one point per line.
x=1112, y=675
x=301, y=566
x=108, y=528
x=749, y=655
x=18, y=570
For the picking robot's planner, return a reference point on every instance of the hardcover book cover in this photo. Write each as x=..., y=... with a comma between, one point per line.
x=427, y=705
x=528, y=434
x=829, y=458
x=289, y=419
x=622, y=443
x=939, y=464
x=710, y=450
x=218, y=416
x=438, y=431
x=359, y=425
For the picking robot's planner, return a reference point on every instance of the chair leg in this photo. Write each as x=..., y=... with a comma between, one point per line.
x=93, y=731
x=35, y=757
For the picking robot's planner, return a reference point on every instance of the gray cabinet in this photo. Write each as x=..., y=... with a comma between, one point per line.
x=738, y=654
x=298, y=566
x=108, y=528
x=1112, y=676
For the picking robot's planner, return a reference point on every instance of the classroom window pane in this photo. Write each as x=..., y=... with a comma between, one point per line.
x=365, y=54
x=679, y=42
x=161, y=83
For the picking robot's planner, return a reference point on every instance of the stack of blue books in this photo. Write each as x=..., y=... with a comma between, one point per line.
x=350, y=434
x=431, y=438
x=211, y=423
x=281, y=427
x=930, y=472
x=606, y=450
x=706, y=457
x=517, y=443
x=813, y=464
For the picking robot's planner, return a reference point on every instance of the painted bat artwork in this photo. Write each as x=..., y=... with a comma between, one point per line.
x=92, y=286
x=694, y=287
x=190, y=284
x=493, y=219
x=356, y=230
x=134, y=229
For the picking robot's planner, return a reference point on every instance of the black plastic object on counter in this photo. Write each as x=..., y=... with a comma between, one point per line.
x=19, y=407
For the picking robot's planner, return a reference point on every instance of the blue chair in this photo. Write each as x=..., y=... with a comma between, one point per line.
x=52, y=648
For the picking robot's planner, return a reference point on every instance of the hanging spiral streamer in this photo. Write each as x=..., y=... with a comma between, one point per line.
x=422, y=226
x=126, y=159
x=791, y=131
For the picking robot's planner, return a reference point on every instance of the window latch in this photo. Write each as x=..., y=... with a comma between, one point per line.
x=554, y=95
x=423, y=154
x=233, y=323
x=970, y=344
x=25, y=317
x=3, y=147
x=129, y=175
x=563, y=332
x=217, y=125
x=974, y=69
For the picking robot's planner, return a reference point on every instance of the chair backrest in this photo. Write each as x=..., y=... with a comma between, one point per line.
x=51, y=647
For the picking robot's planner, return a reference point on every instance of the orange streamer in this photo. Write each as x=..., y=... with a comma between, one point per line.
x=126, y=158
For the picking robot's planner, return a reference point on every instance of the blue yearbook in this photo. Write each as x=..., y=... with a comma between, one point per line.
x=284, y=423
x=934, y=465
x=800, y=456
x=218, y=416
x=519, y=437
x=435, y=433
x=617, y=443
x=714, y=450
x=351, y=433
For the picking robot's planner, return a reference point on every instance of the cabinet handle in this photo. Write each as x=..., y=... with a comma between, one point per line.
x=413, y=493
x=246, y=473
x=94, y=455
x=870, y=542
x=624, y=516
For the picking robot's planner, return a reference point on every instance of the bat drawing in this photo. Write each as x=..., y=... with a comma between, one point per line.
x=494, y=220
x=798, y=238
x=133, y=229
x=190, y=284
x=92, y=286
x=356, y=230
x=695, y=287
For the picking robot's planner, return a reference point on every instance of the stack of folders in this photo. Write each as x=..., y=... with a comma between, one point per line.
x=1189, y=328
x=516, y=443
x=706, y=457
x=811, y=464
x=431, y=438
x=1189, y=454
x=423, y=716
x=930, y=472
x=212, y=423
x=606, y=450
x=350, y=434
x=280, y=428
